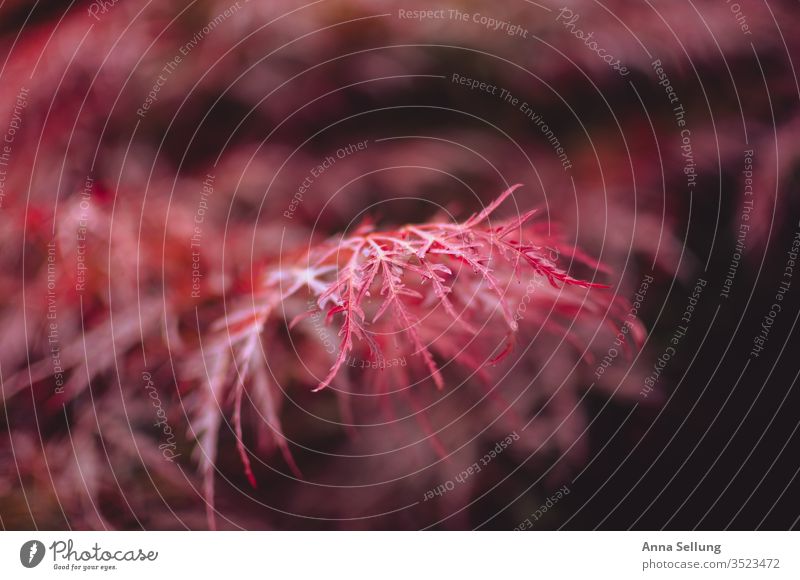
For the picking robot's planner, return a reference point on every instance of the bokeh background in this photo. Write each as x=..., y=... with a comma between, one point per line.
x=661, y=139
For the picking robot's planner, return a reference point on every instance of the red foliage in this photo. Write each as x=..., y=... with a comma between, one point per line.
x=430, y=291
